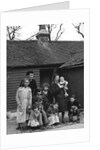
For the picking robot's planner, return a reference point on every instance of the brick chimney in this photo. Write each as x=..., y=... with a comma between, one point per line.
x=43, y=35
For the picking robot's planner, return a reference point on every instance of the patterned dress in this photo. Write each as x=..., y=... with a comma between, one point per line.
x=35, y=118
x=24, y=100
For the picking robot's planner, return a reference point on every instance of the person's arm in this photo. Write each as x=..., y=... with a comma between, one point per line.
x=35, y=88
x=77, y=104
x=50, y=97
x=21, y=83
x=17, y=98
x=30, y=98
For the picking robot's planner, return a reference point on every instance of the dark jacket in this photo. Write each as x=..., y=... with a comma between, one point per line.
x=74, y=103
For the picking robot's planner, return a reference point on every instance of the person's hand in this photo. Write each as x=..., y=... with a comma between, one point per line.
x=29, y=106
x=73, y=107
x=19, y=104
x=76, y=108
x=66, y=94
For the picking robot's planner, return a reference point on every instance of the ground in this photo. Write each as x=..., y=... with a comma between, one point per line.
x=12, y=125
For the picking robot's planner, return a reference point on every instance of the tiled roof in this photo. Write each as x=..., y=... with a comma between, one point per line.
x=75, y=60
x=34, y=53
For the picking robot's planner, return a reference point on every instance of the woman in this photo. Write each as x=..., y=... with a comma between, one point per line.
x=58, y=94
x=24, y=102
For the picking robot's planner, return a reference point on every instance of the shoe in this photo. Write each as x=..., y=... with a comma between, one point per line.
x=71, y=120
x=78, y=120
x=43, y=128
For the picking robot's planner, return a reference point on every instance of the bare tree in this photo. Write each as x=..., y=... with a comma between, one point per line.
x=12, y=32
x=59, y=32
x=50, y=28
x=31, y=37
x=78, y=28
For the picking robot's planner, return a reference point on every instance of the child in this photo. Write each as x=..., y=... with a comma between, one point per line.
x=47, y=96
x=53, y=115
x=50, y=108
x=39, y=103
x=63, y=84
x=73, y=108
x=24, y=101
x=35, y=119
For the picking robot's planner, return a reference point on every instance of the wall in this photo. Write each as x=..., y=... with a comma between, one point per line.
x=75, y=78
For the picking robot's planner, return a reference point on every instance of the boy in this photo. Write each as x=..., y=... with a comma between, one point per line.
x=73, y=109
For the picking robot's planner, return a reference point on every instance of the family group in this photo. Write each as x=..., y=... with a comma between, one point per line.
x=39, y=107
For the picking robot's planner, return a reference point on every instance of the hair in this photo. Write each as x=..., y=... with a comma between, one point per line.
x=25, y=79
x=73, y=96
x=34, y=106
x=39, y=89
x=29, y=72
x=53, y=78
x=62, y=77
x=22, y=82
x=46, y=85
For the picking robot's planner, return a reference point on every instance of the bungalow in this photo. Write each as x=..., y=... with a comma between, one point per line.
x=44, y=57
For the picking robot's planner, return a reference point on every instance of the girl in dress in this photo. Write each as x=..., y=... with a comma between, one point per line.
x=24, y=102
x=35, y=119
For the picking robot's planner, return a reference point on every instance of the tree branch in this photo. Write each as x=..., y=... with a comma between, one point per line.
x=13, y=31
x=59, y=33
x=78, y=29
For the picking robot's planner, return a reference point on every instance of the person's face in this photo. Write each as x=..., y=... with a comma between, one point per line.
x=57, y=78
x=61, y=79
x=45, y=90
x=39, y=92
x=36, y=109
x=72, y=99
x=31, y=76
x=26, y=83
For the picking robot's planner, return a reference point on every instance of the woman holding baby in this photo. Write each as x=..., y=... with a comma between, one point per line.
x=58, y=91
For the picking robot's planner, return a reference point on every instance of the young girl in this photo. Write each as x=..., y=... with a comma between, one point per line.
x=24, y=101
x=53, y=117
x=35, y=119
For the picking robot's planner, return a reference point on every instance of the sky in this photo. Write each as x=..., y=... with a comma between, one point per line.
x=70, y=33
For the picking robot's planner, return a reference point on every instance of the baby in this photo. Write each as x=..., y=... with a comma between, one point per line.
x=63, y=84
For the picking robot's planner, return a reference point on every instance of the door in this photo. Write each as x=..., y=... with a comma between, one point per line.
x=46, y=76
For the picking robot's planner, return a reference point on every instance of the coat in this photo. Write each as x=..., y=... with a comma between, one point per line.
x=71, y=104
x=58, y=94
